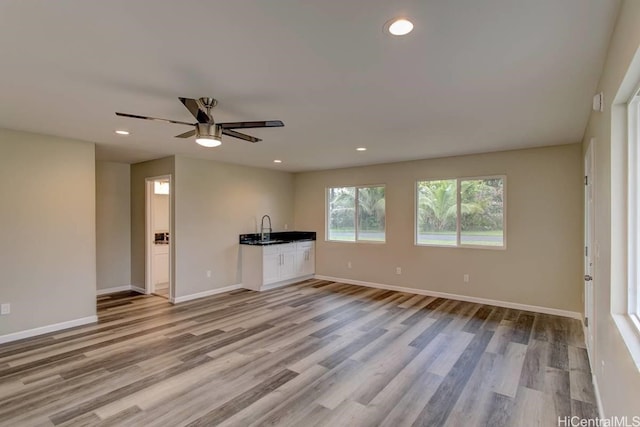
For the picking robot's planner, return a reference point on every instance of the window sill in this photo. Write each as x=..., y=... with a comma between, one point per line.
x=629, y=329
x=491, y=248
x=368, y=242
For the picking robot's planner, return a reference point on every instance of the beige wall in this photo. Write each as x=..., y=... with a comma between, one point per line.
x=113, y=225
x=215, y=202
x=542, y=264
x=48, y=254
x=139, y=173
x=617, y=377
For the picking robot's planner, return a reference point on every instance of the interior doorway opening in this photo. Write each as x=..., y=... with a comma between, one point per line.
x=158, y=237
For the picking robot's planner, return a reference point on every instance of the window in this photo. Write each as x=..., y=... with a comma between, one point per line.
x=461, y=212
x=356, y=214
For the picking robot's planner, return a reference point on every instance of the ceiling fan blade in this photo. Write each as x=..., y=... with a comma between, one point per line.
x=187, y=134
x=135, y=116
x=240, y=135
x=247, y=125
x=197, y=110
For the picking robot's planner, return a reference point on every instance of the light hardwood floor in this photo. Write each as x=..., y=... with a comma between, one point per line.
x=313, y=354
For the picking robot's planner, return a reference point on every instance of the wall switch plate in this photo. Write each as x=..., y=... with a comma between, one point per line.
x=466, y=278
x=5, y=308
x=208, y=273
x=598, y=102
x=398, y=270
x=349, y=264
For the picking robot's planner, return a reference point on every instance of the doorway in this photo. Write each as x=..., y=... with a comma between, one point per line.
x=158, y=237
x=589, y=315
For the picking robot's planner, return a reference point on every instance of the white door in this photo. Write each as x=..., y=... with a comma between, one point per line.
x=158, y=236
x=588, y=244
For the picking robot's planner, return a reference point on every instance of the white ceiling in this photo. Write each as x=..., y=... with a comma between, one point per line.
x=474, y=75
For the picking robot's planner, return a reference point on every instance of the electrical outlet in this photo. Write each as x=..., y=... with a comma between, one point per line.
x=5, y=308
x=466, y=278
x=286, y=226
x=398, y=270
x=349, y=264
x=208, y=273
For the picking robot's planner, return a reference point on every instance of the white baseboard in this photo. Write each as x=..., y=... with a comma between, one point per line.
x=47, y=329
x=113, y=290
x=285, y=283
x=107, y=291
x=208, y=293
x=506, y=304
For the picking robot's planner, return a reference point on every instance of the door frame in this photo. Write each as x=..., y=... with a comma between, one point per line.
x=149, y=235
x=589, y=247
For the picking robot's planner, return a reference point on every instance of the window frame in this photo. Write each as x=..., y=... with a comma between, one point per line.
x=632, y=305
x=356, y=214
x=459, y=244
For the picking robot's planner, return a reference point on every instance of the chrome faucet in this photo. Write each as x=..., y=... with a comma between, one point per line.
x=263, y=235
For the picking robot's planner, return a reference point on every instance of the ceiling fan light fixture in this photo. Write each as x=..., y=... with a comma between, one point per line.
x=208, y=141
x=208, y=135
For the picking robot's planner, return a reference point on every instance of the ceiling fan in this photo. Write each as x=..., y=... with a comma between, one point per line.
x=208, y=133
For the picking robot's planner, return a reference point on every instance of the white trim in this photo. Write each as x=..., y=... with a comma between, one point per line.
x=138, y=290
x=208, y=293
x=506, y=304
x=594, y=378
x=113, y=290
x=287, y=282
x=47, y=329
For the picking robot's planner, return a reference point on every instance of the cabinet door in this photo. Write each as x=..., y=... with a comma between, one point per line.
x=288, y=266
x=270, y=267
x=308, y=262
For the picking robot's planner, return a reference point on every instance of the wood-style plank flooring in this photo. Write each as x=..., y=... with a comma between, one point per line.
x=316, y=353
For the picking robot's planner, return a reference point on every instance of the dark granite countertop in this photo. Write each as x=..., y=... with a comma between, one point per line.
x=277, y=238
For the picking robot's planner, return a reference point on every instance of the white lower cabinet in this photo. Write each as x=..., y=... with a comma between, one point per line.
x=270, y=266
x=305, y=258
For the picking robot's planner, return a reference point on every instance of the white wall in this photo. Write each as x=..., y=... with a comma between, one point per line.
x=113, y=225
x=214, y=203
x=541, y=266
x=47, y=218
x=617, y=377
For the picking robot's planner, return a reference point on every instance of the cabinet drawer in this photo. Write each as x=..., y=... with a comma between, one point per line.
x=270, y=250
x=287, y=247
x=305, y=245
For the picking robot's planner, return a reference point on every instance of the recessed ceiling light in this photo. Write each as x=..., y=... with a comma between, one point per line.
x=277, y=161
x=123, y=132
x=399, y=26
x=361, y=149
